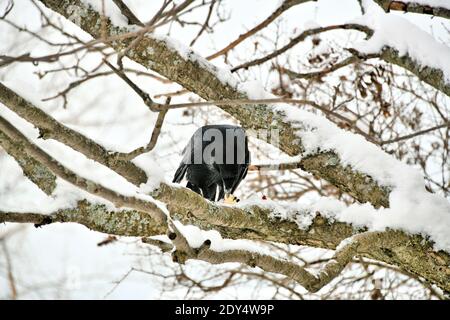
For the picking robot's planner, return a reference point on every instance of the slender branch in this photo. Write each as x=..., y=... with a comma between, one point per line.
x=164, y=246
x=153, y=140
x=415, y=134
x=319, y=74
x=275, y=166
x=144, y=96
x=132, y=19
x=278, y=12
x=9, y=271
x=205, y=24
x=301, y=37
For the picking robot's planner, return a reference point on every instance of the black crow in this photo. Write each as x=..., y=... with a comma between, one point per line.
x=215, y=161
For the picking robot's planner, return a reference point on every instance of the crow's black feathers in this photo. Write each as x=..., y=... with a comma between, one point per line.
x=215, y=161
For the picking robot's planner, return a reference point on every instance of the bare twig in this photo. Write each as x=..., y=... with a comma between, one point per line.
x=415, y=134
x=8, y=9
x=205, y=25
x=144, y=96
x=132, y=19
x=282, y=8
x=319, y=74
x=9, y=269
x=301, y=37
x=153, y=140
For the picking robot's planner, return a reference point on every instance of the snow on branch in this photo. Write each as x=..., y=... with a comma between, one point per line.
x=400, y=42
x=267, y=221
x=419, y=52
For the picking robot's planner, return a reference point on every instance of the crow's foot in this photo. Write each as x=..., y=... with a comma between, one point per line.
x=230, y=199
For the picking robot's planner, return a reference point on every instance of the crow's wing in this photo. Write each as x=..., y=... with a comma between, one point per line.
x=194, y=145
x=243, y=168
x=179, y=174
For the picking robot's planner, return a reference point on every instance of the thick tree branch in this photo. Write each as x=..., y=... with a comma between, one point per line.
x=409, y=252
x=434, y=77
x=413, y=7
x=42, y=177
x=96, y=217
x=312, y=281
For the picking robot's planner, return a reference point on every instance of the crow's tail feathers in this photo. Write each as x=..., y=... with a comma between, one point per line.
x=179, y=174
